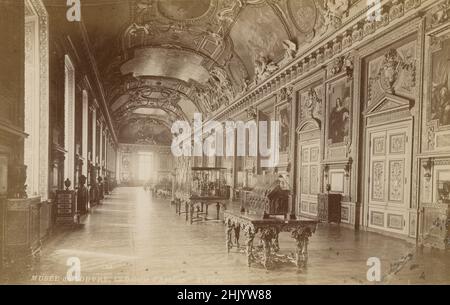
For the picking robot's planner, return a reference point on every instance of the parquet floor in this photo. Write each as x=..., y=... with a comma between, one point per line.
x=135, y=239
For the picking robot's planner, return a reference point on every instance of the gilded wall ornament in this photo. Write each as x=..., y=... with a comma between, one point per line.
x=312, y=102
x=252, y=112
x=390, y=67
x=337, y=65
x=442, y=14
x=333, y=13
x=397, y=9
x=290, y=51
x=285, y=94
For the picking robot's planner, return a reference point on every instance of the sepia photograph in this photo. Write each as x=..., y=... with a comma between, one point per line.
x=225, y=143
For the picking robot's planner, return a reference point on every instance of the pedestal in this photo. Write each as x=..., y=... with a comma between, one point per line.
x=21, y=228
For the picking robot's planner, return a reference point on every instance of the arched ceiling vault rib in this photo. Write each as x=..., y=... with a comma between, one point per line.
x=163, y=88
x=219, y=38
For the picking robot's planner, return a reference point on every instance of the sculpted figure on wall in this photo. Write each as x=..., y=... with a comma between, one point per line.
x=263, y=68
x=333, y=13
x=312, y=103
x=442, y=14
x=203, y=98
x=290, y=51
x=221, y=84
x=389, y=70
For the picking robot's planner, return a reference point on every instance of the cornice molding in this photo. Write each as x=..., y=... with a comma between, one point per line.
x=329, y=48
x=94, y=66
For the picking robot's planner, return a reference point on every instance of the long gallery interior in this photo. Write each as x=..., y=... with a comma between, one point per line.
x=224, y=141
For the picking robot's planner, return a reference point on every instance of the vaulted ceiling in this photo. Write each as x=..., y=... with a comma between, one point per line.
x=163, y=60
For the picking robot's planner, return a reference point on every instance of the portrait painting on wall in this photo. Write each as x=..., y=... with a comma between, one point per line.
x=284, y=118
x=440, y=87
x=339, y=101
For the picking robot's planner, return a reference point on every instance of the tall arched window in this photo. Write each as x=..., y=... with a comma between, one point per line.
x=36, y=146
x=85, y=132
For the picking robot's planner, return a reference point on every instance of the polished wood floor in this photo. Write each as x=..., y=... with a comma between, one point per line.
x=132, y=238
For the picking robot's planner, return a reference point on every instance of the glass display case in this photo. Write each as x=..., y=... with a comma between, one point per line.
x=209, y=182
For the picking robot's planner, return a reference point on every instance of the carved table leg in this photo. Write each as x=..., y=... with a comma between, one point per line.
x=218, y=211
x=266, y=237
x=237, y=231
x=301, y=237
x=191, y=212
x=186, y=210
x=250, y=233
x=228, y=230
x=275, y=243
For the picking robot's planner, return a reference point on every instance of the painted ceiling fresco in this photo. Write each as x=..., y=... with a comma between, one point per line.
x=187, y=56
x=149, y=131
x=258, y=32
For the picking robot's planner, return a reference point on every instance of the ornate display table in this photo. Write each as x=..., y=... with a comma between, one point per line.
x=268, y=230
x=196, y=208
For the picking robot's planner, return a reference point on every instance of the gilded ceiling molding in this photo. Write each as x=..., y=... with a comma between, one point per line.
x=349, y=36
x=93, y=64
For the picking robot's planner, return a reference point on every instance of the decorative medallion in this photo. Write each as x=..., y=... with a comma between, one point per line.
x=303, y=14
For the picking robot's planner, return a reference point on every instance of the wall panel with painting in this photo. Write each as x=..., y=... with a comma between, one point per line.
x=338, y=133
x=310, y=98
x=389, y=93
x=283, y=110
x=435, y=149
